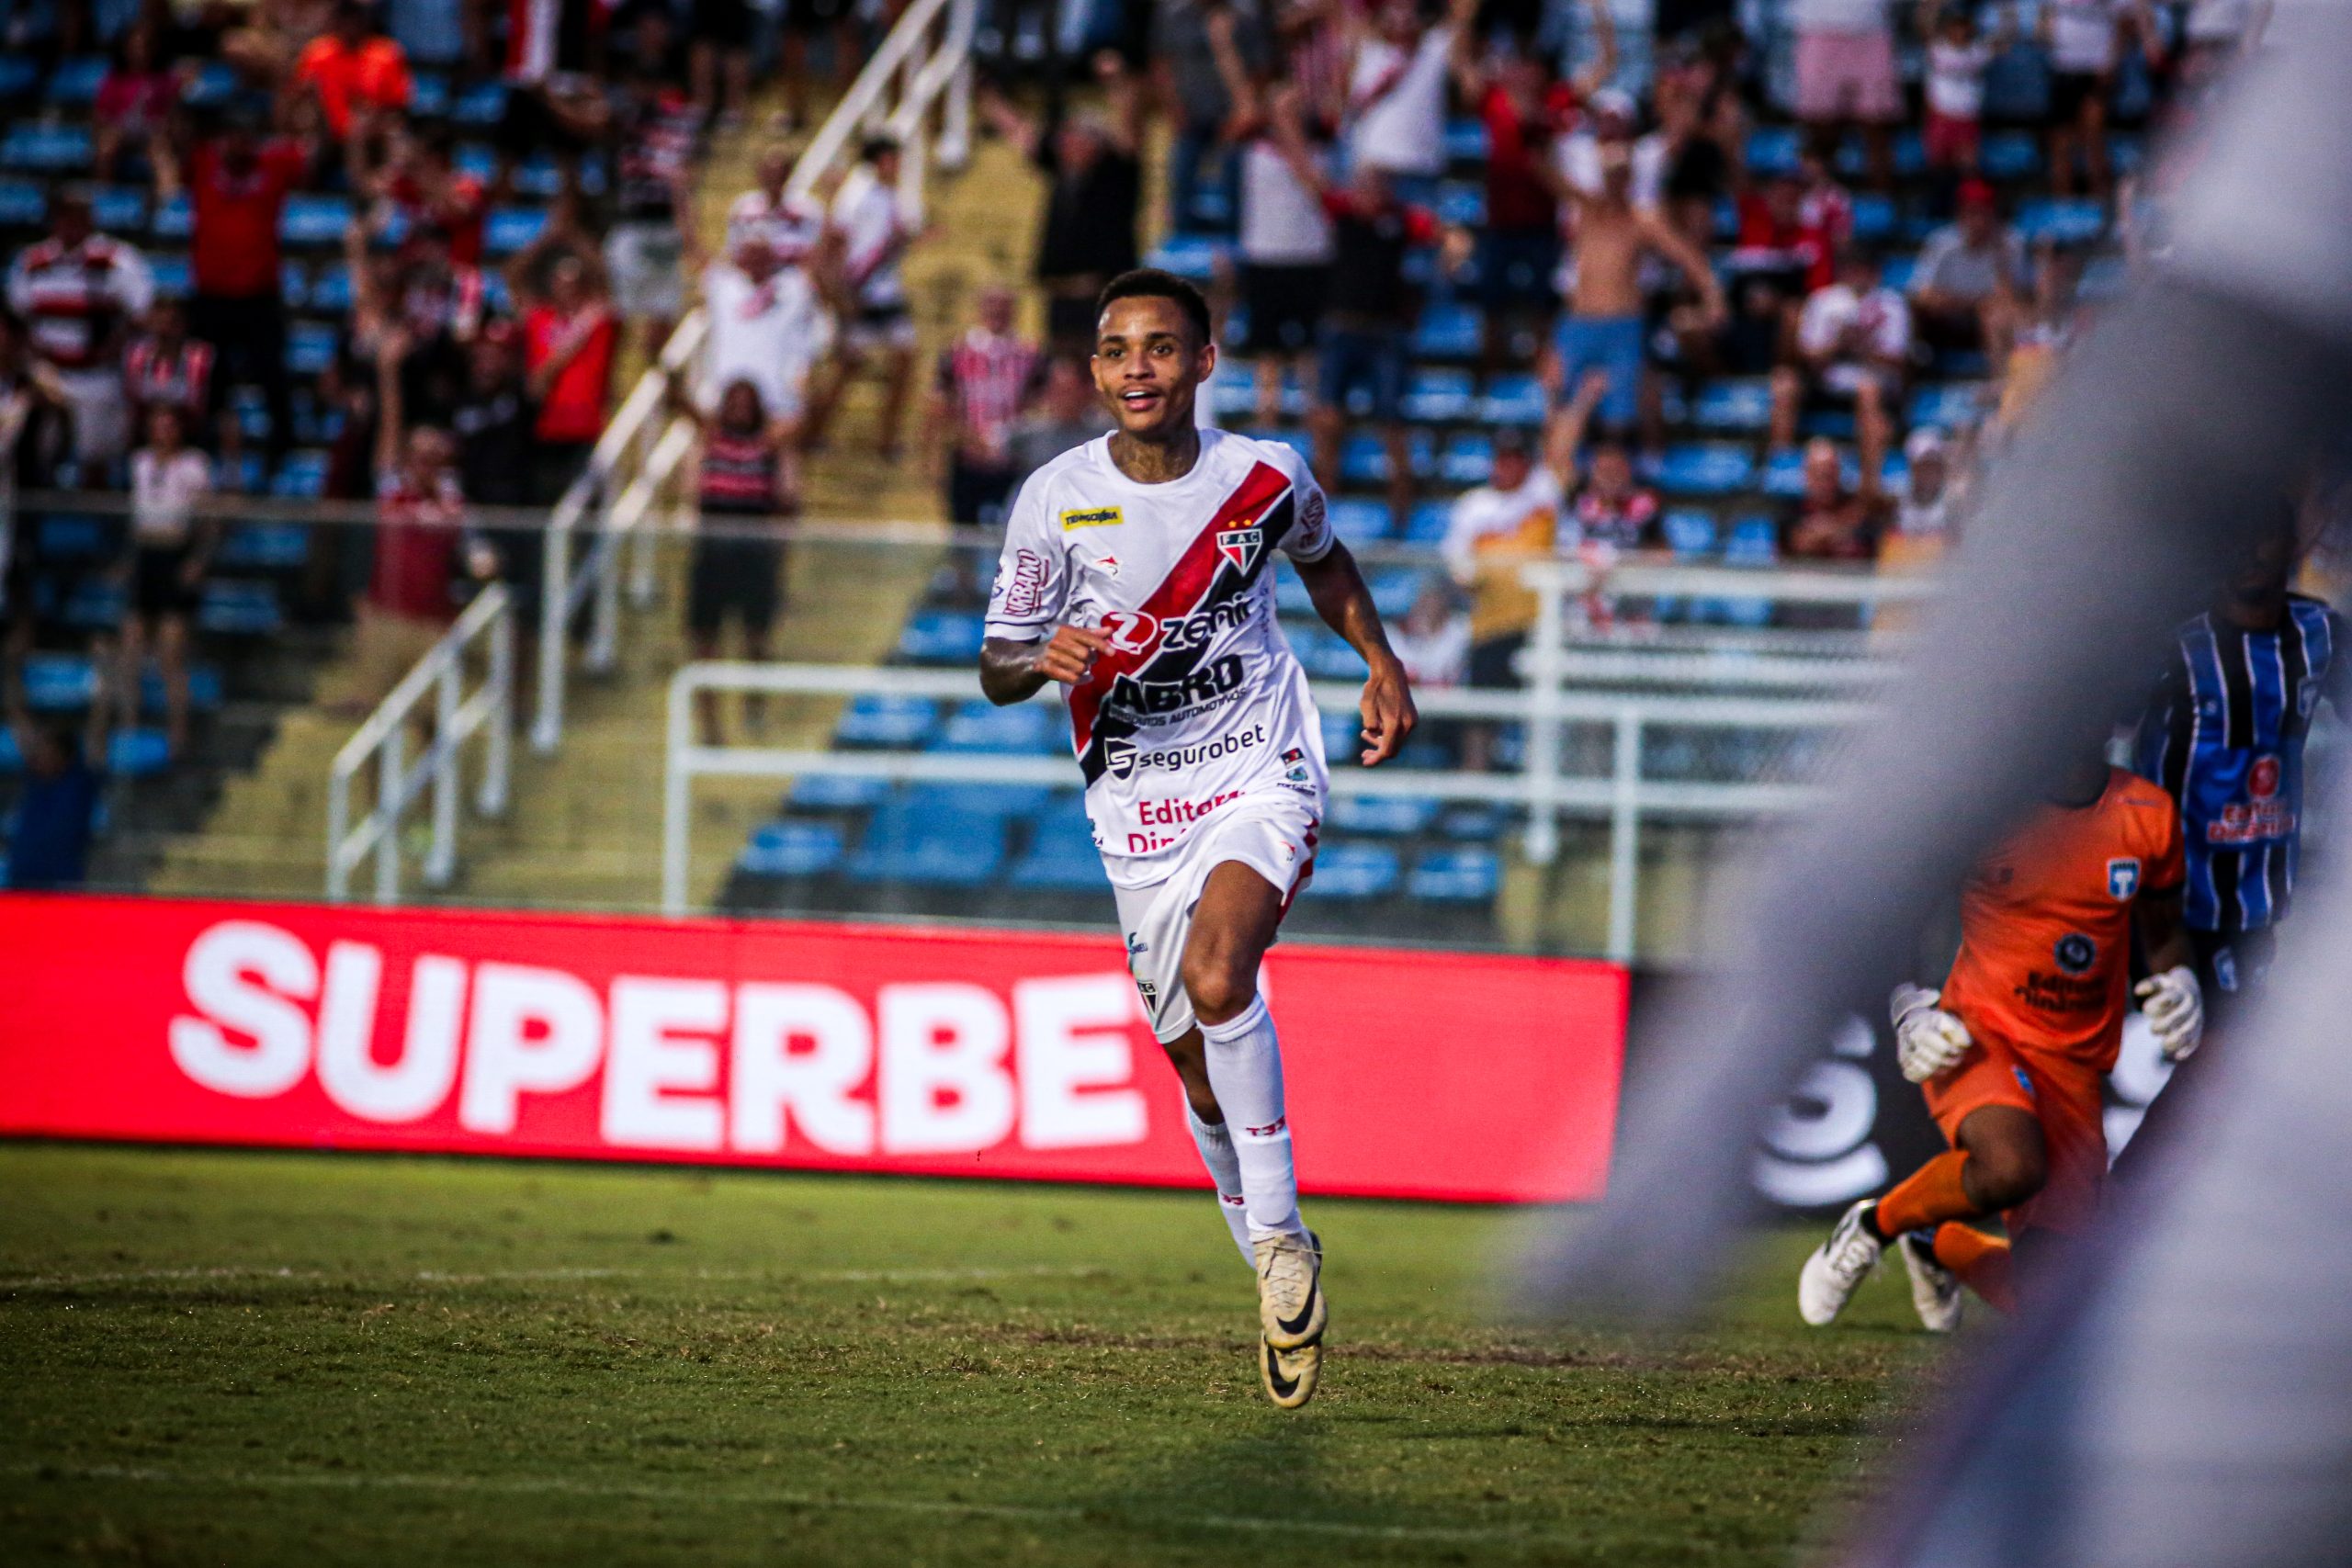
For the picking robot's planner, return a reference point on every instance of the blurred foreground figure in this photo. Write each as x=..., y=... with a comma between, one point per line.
x=2184, y=1393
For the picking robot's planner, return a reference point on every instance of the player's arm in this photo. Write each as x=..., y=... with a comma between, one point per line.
x=1026, y=643
x=2170, y=996
x=1344, y=601
x=1014, y=672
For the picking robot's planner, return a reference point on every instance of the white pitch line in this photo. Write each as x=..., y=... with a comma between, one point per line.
x=439, y=1277
x=558, y=1486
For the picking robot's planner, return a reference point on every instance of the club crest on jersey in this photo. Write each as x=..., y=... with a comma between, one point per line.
x=1091, y=517
x=2075, y=953
x=1240, y=546
x=2122, y=878
x=1119, y=757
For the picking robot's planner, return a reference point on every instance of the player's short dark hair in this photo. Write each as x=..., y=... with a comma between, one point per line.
x=1153, y=283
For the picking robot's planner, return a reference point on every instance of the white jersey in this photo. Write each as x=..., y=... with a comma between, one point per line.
x=1200, y=703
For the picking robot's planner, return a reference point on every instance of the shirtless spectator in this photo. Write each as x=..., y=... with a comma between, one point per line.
x=1969, y=286
x=1604, y=328
x=1853, y=345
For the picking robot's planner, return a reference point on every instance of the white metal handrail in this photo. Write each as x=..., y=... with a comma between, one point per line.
x=383, y=739
x=1623, y=795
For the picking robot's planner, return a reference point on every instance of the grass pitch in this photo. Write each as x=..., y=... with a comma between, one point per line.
x=265, y=1358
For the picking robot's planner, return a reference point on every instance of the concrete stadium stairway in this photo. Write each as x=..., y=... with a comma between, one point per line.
x=584, y=829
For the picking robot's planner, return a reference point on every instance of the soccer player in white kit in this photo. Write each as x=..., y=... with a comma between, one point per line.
x=1138, y=573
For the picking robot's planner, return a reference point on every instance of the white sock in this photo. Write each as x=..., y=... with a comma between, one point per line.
x=1215, y=1140
x=1245, y=1065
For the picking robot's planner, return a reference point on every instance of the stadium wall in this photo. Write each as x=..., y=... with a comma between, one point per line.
x=924, y=1051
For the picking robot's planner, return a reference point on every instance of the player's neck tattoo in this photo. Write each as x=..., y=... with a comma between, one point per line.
x=1156, y=462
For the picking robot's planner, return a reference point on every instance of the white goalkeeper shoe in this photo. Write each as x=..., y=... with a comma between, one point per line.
x=1934, y=1290
x=1291, y=1311
x=1290, y=1376
x=1837, y=1268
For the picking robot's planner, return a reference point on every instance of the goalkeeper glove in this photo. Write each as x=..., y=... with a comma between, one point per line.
x=1928, y=1040
x=2174, y=1006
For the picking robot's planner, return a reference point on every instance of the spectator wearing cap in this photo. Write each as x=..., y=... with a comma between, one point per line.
x=237, y=185
x=1924, y=522
x=1088, y=232
x=355, y=73
x=1970, y=282
x=80, y=293
x=1845, y=73
x=1493, y=531
x=1853, y=346
x=985, y=378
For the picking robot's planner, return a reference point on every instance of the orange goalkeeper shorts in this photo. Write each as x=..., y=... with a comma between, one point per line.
x=2061, y=1093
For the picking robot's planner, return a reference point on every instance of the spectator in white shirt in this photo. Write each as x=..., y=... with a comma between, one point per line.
x=79, y=293
x=1396, y=78
x=2085, y=38
x=170, y=549
x=1853, y=346
x=1970, y=282
x=1845, y=73
x=1286, y=250
x=1958, y=58
x=790, y=224
x=768, y=327
x=875, y=227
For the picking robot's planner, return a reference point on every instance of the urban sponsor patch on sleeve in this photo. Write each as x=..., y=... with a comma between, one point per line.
x=1020, y=591
x=1091, y=517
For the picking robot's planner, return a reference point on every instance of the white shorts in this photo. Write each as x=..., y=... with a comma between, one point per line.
x=1273, y=833
x=643, y=261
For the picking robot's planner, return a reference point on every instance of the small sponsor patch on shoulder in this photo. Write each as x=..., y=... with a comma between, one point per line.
x=1091, y=517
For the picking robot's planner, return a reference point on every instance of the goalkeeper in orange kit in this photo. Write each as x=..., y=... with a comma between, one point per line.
x=2012, y=1051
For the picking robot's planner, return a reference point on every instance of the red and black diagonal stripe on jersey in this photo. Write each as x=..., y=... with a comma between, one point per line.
x=1202, y=577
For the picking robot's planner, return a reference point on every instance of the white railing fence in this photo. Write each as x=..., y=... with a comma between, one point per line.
x=382, y=744
x=1623, y=797
x=917, y=88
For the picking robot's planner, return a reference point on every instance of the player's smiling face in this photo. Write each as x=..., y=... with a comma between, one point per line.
x=1146, y=365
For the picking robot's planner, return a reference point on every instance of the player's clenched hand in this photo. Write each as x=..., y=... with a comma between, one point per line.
x=2173, y=1005
x=1070, y=654
x=1389, y=714
x=1928, y=1040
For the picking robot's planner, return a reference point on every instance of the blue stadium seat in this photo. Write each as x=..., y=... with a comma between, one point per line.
x=171, y=276
x=1740, y=405
x=1061, y=857
x=1909, y=149
x=2010, y=154
x=509, y=229
x=1783, y=475
x=1706, y=468
x=74, y=83
x=1438, y=396
x=240, y=608
x=213, y=84
x=1024, y=729
x=174, y=219
x=941, y=636
x=72, y=537
x=1465, y=141
x=1839, y=424
x=1234, y=394
x=1773, y=148
x=1515, y=399
x=19, y=73
x=996, y=802
x=1896, y=271
x=46, y=149
x=58, y=683
x=479, y=159
x=1471, y=821
x=1296, y=440
x=310, y=347
x=138, y=754
x=1426, y=523
x=1364, y=459
x=1948, y=405
x=1469, y=459
x=837, y=792
x=1353, y=872
x=1690, y=534
x=1395, y=587
x=428, y=97
x=1449, y=329
x=313, y=219
x=891, y=723
x=1387, y=816
x=1324, y=654
x=2073, y=221
x=24, y=204
x=118, y=209
x=789, y=848
x=1360, y=522
x=1461, y=204
x=481, y=104
x=265, y=547
x=1188, y=255
x=1455, y=876
x=331, y=289
x=909, y=842
x=1754, y=541
x=302, y=476
x=245, y=476
x=1873, y=217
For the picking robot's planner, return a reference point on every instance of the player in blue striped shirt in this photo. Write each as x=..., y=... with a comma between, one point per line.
x=2224, y=737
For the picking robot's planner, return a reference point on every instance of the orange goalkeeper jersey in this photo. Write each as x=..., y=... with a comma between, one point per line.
x=2045, y=924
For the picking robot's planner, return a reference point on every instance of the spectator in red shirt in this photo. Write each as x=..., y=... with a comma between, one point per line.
x=418, y=180
x=354, y=74
x=570, y=335
x=135, y=101
x=237, y=185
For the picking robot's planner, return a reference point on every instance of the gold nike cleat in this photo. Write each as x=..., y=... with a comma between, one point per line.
x=1290, y=1376
x=1291, y=1311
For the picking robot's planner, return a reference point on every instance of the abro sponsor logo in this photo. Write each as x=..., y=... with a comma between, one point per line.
x=1124, y=759
x=673, y=1063
x=1161, y=699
